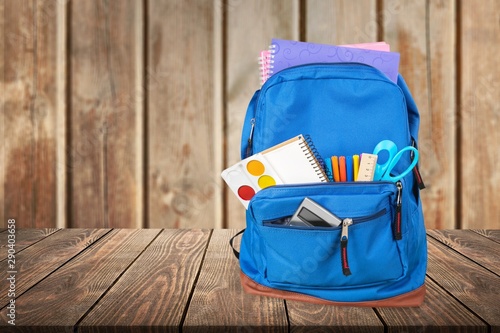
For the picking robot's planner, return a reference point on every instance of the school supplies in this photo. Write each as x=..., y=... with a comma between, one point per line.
x=336, y=169
x=329, y=168
x=264, y=65
x=291, y=162
x=384, y=171
x=342, y=168
x=367, y=167
x=266, y=61
x=355, y=162
x=349, y=169
x=287, y=53
x=250, y=176
x=296, y=162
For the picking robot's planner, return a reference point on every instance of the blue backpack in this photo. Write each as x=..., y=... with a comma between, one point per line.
x=381, y=258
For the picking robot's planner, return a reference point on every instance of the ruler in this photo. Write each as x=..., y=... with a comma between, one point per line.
x=367, y=167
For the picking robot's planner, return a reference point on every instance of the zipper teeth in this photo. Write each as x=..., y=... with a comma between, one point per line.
x=283, y=187
x=356, y=65
x=362, y=219
x=355, y=220
x=349, y=65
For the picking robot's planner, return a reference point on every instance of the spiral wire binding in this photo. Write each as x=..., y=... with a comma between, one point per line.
x=265, y=62
x=272, y=52
x=315, y=158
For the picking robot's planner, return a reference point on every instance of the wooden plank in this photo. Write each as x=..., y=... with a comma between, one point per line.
x=475, y=287
x=183, y=169
x=74, y=288
x=491, y=234
x=24, y=238
x=479, y=113
x=105, y=162
x=41, y=259
x=61, y=125
x=219, y=302
x=154, y=291
x=423, y=33
x=262, y=20
x=472, y=245
x=305, y=317
x=341, y=21
x=30, y=112
x=440, y=311
x=3, y=221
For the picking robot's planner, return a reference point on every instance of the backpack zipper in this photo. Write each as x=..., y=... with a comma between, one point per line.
x=250, y=138
x=397, y=219
x=398, y=235
x=343, y=246
x=416, y=172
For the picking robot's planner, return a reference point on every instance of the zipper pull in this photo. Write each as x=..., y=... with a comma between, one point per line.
x=250, y=138
x=416, y=172
x=397, y=221
x=343, y=245
x=418, y=177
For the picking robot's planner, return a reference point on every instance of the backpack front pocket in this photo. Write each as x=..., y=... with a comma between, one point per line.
x=361, y=251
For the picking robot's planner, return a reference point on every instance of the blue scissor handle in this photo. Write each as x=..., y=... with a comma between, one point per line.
x=383, y=171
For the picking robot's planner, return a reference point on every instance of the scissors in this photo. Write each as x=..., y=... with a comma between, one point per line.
x=383, y=171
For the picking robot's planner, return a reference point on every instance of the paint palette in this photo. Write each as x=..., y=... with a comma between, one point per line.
x=250, y=176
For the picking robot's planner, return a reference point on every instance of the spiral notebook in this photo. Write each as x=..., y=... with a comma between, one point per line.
x=287, y=53
x=295, y=161
x=291, y=162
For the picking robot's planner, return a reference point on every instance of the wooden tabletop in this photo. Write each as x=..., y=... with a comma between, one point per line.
x=145, y=280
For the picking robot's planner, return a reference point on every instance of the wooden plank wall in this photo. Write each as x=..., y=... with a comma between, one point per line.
x=123, y=113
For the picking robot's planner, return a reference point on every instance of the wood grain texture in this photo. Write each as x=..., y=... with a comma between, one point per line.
x=440, y=311
x=219, y=302
x=183, y=170
x=74, y=288
x=491, y=234
x=24, y=238
x=2, y=113
x=41, y=259
x=250, y=27
x=475, y=287
x=479, y=113
x=423, y=33
x=472, y=245
x=152, y=294
x=439, y=123
x=105, y=185
x=29, y=112
x=341, y=21
x=306, y=317
x=185, y=280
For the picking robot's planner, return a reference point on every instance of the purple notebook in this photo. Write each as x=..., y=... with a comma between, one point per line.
x=288, y=53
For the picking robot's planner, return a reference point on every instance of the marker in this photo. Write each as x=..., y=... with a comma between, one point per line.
x=342, y=167
x=328, y=167
x=355, y=162
x=349, y=168
x=335, y=167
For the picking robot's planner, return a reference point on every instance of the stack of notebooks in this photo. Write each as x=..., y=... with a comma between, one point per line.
x=287, y=53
